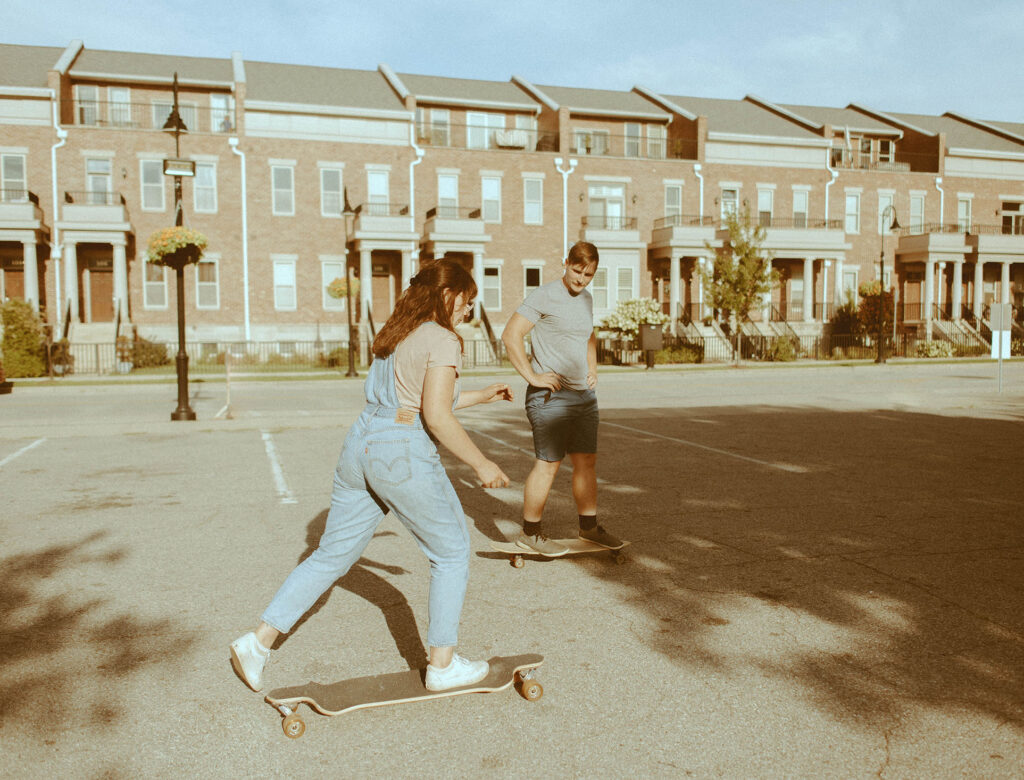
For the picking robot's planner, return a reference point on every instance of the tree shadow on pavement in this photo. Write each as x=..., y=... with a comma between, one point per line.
x=870, y=558
x=62, y=651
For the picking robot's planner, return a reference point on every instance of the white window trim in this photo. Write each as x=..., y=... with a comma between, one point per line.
x=540, y=181
x=146, y=283
x=24, y=166
x=327, y=302
x=216, y=199
x=484, y=175
x=340, y=168
x=273, y=189
x=494, y=262
x=142, y=184
x=293, y=260
x=215, y=259
x=860, y=207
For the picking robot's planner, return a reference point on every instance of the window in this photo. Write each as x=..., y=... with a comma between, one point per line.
x=440, y=127
x=480, y=129
x=963, y=214
x=838, y=155
x=120, y=106
x=13, y=178
x=283, y=190
x=88, y=104
x=533, y=201
x=155, y=286
x=151, y=176
x=885, y=200
x=492, y=288
x=490, y=195
x=220, y=114
x=886, y=150
x=98, y=180
x=607, y=206
x=448, y=195
x=765, y=199
x=284, y=284
x=599, y=289
x=377, y=192
x=532, y=278
x=730, y=202
x=852, y=212
x=329, y=271
x=917, y=213
x=865, y=152
x=800, y=201
x=528, y=124
x=207, y=287
x=632, y=148
x=590, y=141
x=162, y=110
x=656, y=141
x=624, y=284
x=673, y=200
x=331, y=197
x=1013, y=218
x=204, y=188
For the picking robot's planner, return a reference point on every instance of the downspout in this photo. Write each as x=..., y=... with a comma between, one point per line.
x=835, y=175
x=55, y=247
x=565, y=202
x=415, y=258
x=233, y=143
x=696, y=172
x=942, y=200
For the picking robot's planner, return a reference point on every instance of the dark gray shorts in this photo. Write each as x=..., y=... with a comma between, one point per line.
x=564, y=421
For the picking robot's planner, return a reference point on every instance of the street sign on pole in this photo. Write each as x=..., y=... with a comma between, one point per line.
x=1000, y=318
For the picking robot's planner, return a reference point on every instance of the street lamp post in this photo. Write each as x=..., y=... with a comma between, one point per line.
x=349, y=216
x=178, y=168
x=881, y=281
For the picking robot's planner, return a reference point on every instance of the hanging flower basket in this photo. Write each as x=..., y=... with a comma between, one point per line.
x=339, y=288
x=175, y=247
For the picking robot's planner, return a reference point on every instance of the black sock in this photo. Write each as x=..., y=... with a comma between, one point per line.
x=588, y=522
x=531, y=529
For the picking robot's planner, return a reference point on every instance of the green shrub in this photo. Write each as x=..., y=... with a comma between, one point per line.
x=1016, y=347
x=336, y=358
x=934, y=349
x=687, y=353
x=24, y=341
x=781, y=350
x=149, y=354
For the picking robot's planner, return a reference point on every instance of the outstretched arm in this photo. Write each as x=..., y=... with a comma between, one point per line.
x=487, y=395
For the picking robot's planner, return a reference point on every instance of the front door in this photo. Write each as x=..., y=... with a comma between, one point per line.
x=12, y=273
x=96, y=283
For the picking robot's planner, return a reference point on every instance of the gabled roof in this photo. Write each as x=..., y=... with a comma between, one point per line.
x=960, y=134
x=26, y=66
x=843, y=118
x=604, y=102
x=742, y=117
x=315, y=86
x=471, y=93
x=127, y=66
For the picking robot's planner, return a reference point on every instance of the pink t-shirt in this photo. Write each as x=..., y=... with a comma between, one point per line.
x=427, y=346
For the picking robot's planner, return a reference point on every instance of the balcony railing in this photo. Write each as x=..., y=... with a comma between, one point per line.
x=95, y=198
x=799, y=223
x=601, y=144
x=382, y=210
x=147, y=116
x=18, y=196
x=453, y=212
x=684, y=220
x=607, y=222
x=462, y=136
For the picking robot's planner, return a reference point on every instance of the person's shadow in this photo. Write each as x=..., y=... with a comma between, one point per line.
x=363, y=582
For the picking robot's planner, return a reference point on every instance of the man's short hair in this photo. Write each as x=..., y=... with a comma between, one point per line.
x=582, y=253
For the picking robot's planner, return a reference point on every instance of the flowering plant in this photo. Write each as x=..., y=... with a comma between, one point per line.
x=630, y=315
x=170, y=240
x=339, y=288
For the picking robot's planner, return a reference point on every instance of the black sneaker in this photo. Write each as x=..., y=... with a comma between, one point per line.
x=598, y=535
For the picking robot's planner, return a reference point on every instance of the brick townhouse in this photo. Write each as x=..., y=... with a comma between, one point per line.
x=499, y=175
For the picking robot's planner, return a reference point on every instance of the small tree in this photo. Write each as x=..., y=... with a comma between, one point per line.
x=871, y=298
x=846, y=319
x=24, y=340
x=742, y=273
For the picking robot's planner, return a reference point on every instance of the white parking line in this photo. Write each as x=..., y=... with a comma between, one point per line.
x=780, y=466
x=275, y=466
x=21, y=452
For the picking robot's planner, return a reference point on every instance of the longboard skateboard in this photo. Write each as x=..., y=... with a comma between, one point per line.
x=378, y=691
x=576, y=546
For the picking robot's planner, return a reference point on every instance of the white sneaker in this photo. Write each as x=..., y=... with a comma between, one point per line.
x=249, y=657
x=458, y=673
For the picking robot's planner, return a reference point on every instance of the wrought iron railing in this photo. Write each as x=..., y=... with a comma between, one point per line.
x=117, y=115
x=382, y=210
x=685, y=220
x=453, y=212
x=9, y=195
x=608, y=222
x=94, y=197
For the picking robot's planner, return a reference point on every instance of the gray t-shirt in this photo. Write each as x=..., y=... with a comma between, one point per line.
x=563, y=324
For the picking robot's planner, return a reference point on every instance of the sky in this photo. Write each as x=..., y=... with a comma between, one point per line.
x=910, y=56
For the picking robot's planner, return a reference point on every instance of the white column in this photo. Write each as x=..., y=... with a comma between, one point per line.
x=825, y=265
x=674, y=297
x=808, y=289
x=1004, y=285
x=929, y=296
x=120, y=282
x=407, y=271
x=979, y=287
x=837, y=292
x=478, y=277
x=365, y=284
x=956, y=299
x=698, y=267
x=70, y=280
x=28, y=251
x=940, y=288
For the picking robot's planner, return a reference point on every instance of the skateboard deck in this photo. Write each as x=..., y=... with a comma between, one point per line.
x=576, y=546
x=396, y=688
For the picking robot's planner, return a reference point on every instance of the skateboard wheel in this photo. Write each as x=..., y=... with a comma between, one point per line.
x=293, y=726
x=517, y=561
x=531, y=690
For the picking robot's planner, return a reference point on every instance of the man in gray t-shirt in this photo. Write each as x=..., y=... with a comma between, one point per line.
x=561, y=403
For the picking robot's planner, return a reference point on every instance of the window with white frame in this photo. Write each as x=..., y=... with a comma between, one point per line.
x=886, y=150
x=963, y=214
x=673, y=200
x=590, y=141
x=331, y=196
x=284, y=284
x=448, y=195
x=98, y=180
x=162, y=110
x=801, y=199
x=492, y=288
x=490, y=197
x=632, y=141
x=1012, y=218
x=208, y=282
x=220, y=113
x=916, y=213
x=623, y=284
x=331, y=269
x=656, y=141
x=528, y=124
x=377, y=187
x=765, y=207
x=730, y=202
x=533, y=276
x=13, y=178
x=151, y=182
x=282, y=178
x=119, y=106
x=88, y=96
x=599, y=289
x=204, y=188
x=480, y=129
x=865, y=152
x=440, y=130
x=606, y=207
x=154, y=285
x=533, y=201
x=852, y=212
x=885, y=201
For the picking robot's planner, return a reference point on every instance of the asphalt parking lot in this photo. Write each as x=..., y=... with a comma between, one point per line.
x=826, y=580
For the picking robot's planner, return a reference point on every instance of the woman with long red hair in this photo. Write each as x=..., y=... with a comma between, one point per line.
x=389, y=462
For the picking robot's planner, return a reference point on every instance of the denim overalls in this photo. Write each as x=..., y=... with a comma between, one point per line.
x=388, y=462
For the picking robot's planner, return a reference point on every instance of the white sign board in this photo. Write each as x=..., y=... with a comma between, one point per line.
x=1000, y=316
